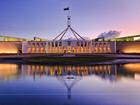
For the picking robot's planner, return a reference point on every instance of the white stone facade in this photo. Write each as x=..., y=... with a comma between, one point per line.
x=58, y=47
x=34, y=47
x=79, y=46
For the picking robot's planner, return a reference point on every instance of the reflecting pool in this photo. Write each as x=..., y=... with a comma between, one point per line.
x=100, y=84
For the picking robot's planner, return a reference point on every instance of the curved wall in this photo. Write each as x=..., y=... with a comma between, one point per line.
x=128, y=47
x=10, y=47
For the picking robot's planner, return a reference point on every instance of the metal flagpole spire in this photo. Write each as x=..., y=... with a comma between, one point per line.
x=77, y=36
x=69, y=18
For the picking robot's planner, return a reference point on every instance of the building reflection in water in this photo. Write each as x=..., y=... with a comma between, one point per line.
x=69, y=75
x=104, y=71
x=69, y=81
x=8, y=71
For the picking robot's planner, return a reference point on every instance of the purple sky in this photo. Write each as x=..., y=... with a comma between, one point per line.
x=46, y=18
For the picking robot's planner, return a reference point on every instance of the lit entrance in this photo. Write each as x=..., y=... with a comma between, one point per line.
x=69, y=50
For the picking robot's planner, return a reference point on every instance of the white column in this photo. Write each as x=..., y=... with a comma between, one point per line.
x=93, y=47
x=58, y=48
x=98, y=47
x=102, y=47
x=25, y=47
x=115, y=47
x=87, y=47
x=46, y=47
x=80, y=47
x=54, y=47
x=107, y=47
x=51, y=47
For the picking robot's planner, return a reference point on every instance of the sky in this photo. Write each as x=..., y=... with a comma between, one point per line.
x=46, y=18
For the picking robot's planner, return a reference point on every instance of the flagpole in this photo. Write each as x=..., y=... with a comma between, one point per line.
x=69, y=11
x=69, y=18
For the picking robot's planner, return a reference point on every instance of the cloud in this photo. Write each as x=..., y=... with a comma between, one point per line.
x=110, y=34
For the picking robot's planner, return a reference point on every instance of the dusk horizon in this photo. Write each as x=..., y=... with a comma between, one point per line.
x=46, y=18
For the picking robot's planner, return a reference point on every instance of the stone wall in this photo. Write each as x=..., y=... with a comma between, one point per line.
x=10, y=47
x=128, y=47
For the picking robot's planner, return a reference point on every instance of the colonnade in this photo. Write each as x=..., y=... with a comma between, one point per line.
x=80, y=47
x=103, y=47
x=34, y=47
x=68, y=47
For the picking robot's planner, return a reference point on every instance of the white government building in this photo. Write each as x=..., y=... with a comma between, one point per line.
x=78, y=45
x=68, y=46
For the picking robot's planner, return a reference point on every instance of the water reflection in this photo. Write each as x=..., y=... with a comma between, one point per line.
x=106, y=71
x=68, y=76
x=8, y=71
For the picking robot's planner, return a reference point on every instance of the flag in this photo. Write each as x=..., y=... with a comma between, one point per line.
x=66, y=9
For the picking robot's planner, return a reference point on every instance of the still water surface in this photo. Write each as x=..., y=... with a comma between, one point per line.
x=103, y=84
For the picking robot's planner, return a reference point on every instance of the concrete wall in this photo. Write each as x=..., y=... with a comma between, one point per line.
x=22, y=47
x=10, y=47
x=128, y=47
x=91, y=47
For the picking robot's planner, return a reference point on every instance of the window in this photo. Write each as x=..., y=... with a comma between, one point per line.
x=85, y=44
x=38, y=44
x=77, y=43
x=104, y=44
x=81, y=44
x=88, y=43
x=56, y=44
x=52, y=44
x=33, y=44
x=60, y=43
x=42, y=44
x=49, y=43
x=69, y=43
